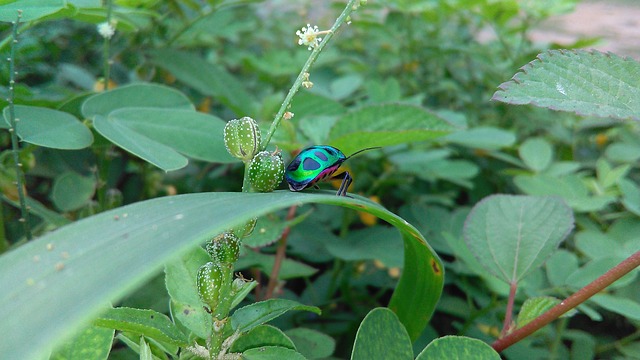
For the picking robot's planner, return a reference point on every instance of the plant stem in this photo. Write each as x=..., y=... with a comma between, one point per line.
x=513, y=287
x=106, y=49
x=569, y=303
x=280, y=255
x=305, y=70
x=15, y=145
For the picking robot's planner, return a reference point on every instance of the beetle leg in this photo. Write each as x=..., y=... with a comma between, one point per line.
x=346, y=181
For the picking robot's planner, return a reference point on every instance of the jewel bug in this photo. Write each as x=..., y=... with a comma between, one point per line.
x=317, y=163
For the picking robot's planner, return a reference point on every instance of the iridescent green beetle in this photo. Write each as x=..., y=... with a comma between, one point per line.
x=317, y=163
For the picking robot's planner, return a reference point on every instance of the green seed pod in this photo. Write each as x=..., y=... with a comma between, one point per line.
x=266, y=171
x=209, y=283
x=242, y=138
x=224, y=248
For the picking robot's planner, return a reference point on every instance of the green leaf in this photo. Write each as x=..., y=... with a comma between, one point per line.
x=194, y=134
x=31, y=9
x=262, y=335
x=271, y=353
x=310, y=104
x=312, y=344
x=560, y=265
x=381, y=336
x=630, y=195
x=513, y=235
x=71, y=191
x=488, y=138
x=536, y=153
x=208, y=78
x=570, y=187
x=160, y=155
x=620, y=305
x=458, y=348
x=587, y=83
x=250, y=316
x=135, y=95
x=49, y=128
x=373, y=243
x=386, y=125
x=186, y=306
x=534, y=307
x=145, y=350
x=595, y=268
x=622, y=152
x=44, y=278
x=145, y=322
x=92, y=343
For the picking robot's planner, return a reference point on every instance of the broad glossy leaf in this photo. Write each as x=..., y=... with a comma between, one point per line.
x=311, y=343
x=71, y=191
x=271, y=353
x=252, y=315
x=587, y=83
x=262, y=335
x=513, y=235
x=206, y=77
x=386, y=125
x=160, y=155
x=194, y=134
x=458, y=348
x=135, y=95
x=31, y=9
x=49, y=128
x=105, y=256
x=92, y=343
x=149, y=323
x=381, y=336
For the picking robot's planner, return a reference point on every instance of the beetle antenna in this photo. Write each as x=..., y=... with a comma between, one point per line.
x=365, y=149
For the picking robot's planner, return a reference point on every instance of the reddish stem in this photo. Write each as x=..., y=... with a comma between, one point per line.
x=569, y=303
x=280, y=255
x=509, y=313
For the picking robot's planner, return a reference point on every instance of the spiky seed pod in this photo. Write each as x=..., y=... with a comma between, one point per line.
x=242, y=138
x=266, y=171
x=224, y=248
x=209, y=282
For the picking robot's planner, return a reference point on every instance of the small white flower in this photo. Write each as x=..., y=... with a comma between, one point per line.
x=309, y=36
x=106, y=30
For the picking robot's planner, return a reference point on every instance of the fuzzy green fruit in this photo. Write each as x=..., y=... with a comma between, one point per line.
x=266, y=171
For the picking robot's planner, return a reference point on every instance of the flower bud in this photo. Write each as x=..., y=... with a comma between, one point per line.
x=224, y=248
x=209, y=282
x=242, y=138
x=266, y=171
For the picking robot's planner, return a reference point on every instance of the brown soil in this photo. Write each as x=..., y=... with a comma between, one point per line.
x=616, y=24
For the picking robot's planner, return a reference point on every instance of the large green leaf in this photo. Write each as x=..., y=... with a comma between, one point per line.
x=54, y=284
x=587, y=83
x=49, y=128
x=208, y=78
x=386, y=125
x=146, y=322
x=458, y=348
x=135, y=95
x=194, y=134
x=513, y=235
x=31, y=9
x=381, y=336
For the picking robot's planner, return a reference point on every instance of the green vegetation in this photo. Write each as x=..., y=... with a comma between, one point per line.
x=144, y=213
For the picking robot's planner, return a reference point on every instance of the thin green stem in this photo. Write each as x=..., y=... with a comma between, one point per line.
x=569, y=303
x=106, y=48
x=15, y=145
x=351, y=5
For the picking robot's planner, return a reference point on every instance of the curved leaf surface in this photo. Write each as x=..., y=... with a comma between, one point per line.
x=386, y=125
x=54, y=284
x=49, y=128
x=586, y=83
